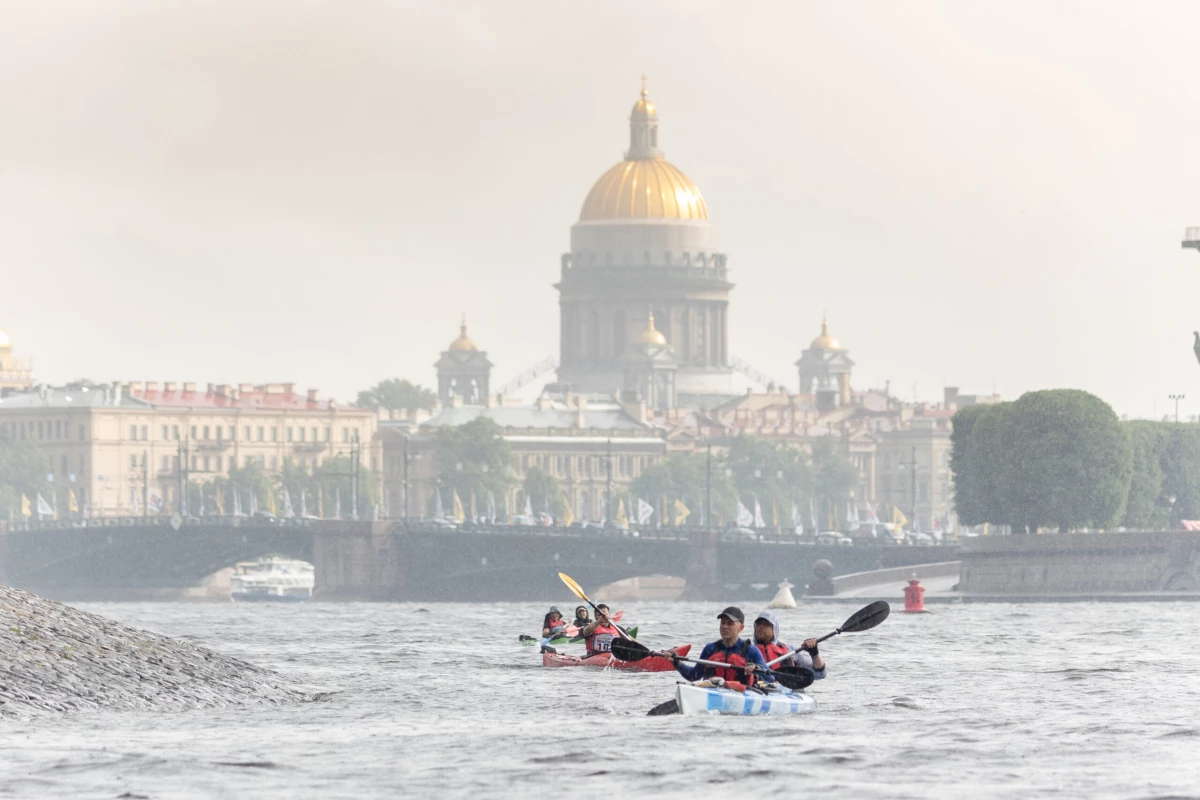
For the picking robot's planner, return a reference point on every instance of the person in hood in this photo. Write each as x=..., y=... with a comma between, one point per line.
x=767, y=640
x=582, y=620
x=552, y=623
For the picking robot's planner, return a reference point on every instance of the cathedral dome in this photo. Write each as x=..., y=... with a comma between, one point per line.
x=825, y=341
x=463, y=342
x=644, y=185
x=652, y=335
x=4, y=342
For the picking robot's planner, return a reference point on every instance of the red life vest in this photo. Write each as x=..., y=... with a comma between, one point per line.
x=735, y=659
x=601, y=639
x=772, y=651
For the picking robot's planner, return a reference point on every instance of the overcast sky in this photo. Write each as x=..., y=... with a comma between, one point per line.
x=980, y=194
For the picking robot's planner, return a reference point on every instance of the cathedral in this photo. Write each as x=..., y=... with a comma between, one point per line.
x=645, y=271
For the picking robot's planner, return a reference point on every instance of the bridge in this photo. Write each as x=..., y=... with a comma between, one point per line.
x=127, y=558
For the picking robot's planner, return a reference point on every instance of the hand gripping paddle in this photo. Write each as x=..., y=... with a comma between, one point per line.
x=792, y=677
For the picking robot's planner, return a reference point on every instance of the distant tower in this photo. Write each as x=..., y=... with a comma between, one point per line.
x=463, y=371
x=650, y=367
x=15, y=375
x=825, y=371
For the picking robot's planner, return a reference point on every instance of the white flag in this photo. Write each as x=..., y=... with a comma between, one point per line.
x=303, y=503
x=438, y=510
x=156, y=501
x=528, y=509
x=491, y=509
x=812, y=514
x=134, y=506
x=337, y=514
x=758, y=520
x=237, y=504
x=645, y=511
x=287, y=504
x=797, y=523
x=253, y=502
x=744, y=518
x=43, y=508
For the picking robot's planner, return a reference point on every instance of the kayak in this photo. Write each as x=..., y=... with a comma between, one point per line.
x=651, y=664
x=703, y=697
x=532, y=640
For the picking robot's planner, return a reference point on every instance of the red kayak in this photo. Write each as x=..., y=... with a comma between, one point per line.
x=650, y=664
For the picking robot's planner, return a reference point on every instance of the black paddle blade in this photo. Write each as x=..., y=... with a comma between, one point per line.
x=629, y=650
x=867, y=617
x=794, y=678
x=662, y=709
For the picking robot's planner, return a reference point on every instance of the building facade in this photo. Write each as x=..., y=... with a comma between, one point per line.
x=644, y=245
x=118, y=447
x=15, y=374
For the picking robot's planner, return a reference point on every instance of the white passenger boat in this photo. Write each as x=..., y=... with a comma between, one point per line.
x=272, y=580
x=708, y=697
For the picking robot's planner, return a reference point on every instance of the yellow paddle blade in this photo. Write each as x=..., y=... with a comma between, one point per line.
x=573, y=586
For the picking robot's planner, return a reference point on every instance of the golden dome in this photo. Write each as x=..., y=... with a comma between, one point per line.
x=643, y=108
x=825, y=341
x=463, y=342
x=4, y=341
x=652, y=189
x=652, y=335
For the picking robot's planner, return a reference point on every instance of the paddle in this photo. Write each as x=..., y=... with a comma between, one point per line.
x=864, y=619
x=578, y=590
x=791, y=677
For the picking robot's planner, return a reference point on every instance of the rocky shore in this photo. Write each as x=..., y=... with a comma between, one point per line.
x=55, y=658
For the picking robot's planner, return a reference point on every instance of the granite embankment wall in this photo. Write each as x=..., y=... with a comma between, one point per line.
x=55, y=658
x=1081, y=563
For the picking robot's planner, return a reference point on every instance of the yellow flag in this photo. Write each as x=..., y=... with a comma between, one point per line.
x=985, y=527
x=621, y=518
x=71, y=502
x=567, y=516
x=681, y=512
x=898, y=518
x=25, y=509
x=220, y=501
x=271, y=500
x=774, y=513
x=459, y=514
x=321, y=503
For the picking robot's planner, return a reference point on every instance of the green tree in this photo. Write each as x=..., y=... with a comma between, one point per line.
x=684, y=477
x=23, y=470
x=1146, y=508
x=543, y=491
x=834, y=477
x=473, y=457
x=333, y=479
x=395, y=394
x=773, y=473
x=1068, y=461
x=1180, y=465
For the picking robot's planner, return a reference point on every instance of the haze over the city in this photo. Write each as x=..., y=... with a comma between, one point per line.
x=988, y=195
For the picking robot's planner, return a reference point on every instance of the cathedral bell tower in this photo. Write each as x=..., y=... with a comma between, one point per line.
x=650, y=367
x=463, y=372
x=825, y=371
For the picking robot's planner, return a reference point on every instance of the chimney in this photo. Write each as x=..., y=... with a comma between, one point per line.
x=223, y=389
x=289, y=388
x=116, y=394
x=189, y=386
x=151, y=386
x=135, y=387
x=169, y=386
x=499, y=399
x=312, y=395
x=246, y=388
x=950, y=393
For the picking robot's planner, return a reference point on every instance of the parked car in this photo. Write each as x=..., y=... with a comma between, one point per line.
x=737, y=534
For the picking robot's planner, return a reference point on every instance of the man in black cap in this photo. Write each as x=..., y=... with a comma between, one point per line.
x=731, y=649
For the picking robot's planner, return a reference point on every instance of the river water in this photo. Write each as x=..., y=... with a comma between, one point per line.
x=979, y=701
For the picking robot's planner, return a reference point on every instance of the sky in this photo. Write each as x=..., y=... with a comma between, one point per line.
x=989, y=195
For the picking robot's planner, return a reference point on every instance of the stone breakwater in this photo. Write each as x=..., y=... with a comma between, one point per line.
x=55, y=658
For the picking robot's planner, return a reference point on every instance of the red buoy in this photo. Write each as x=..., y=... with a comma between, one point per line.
x=914, y=597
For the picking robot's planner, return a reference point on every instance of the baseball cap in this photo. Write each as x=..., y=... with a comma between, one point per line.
x=734, y=613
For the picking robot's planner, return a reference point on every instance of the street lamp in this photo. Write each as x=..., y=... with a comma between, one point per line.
x=1176, y=398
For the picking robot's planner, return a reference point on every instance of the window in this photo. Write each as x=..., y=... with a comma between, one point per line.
x=195, y=462
x=194, y=436
x=262, y=460
x=260, y=433
x=133, y=462
x=145, y=433
x=166, y=461
x=250, y=460
x=289, y=434
x=82, y=433
x=274, y=434
x=314, y=433
x=220, y=431
x=246, y=433
x=274, y=463
x=302, y=434
x=207, y=463
x=63, y=462
x=328, y=431
x=57, y=429
x=133, y=432
x=175, y=463
x=231, y=434
x=233, y=462
x=345, y=434
x=175, y=432
x=164, y=432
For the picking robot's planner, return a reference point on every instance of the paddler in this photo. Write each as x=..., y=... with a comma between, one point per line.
x=582, y=618
x=552, y=623
x=599, y=634
x=766, y=639
x=730, y=648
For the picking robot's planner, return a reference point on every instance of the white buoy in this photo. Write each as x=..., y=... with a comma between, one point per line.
x=784, y=598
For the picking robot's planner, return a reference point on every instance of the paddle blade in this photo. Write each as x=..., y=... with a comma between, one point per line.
x=629, y=650
x=573, y=586
x=794, y=678
x=867, y=617
x=662, y=709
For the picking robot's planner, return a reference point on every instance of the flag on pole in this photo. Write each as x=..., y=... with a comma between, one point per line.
x=797, y=523
x=439, y=510
x=288, y=512
x=72, y=503
x=321, y=502
x=201, y=487
x=491, y=508
x=459, y=514
x=528, y=508
x=155, y=503
x=474, y=514
x=744, y=518
x=134, y=507
x=43, y=508
x=567, y=516
x=237, y=503
x=812, y=515
x=621, y=519
x=758, y=517
x=337, y=510
x=644, y=511
x=898, y=518
x=26, y=511
x=682, y=512
x=253, y=502
x=774, y=514
x=220, y=502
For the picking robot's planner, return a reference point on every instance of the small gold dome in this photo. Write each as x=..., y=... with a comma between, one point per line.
x=643, y=108
x=4, y=341
x=825, y=341
x=652, y=335
x=651, y=189
x=463, y=342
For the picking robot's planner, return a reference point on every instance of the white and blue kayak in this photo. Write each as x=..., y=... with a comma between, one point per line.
x=705, y=697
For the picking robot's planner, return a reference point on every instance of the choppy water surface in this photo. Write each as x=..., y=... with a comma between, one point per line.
x=1075, y=700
